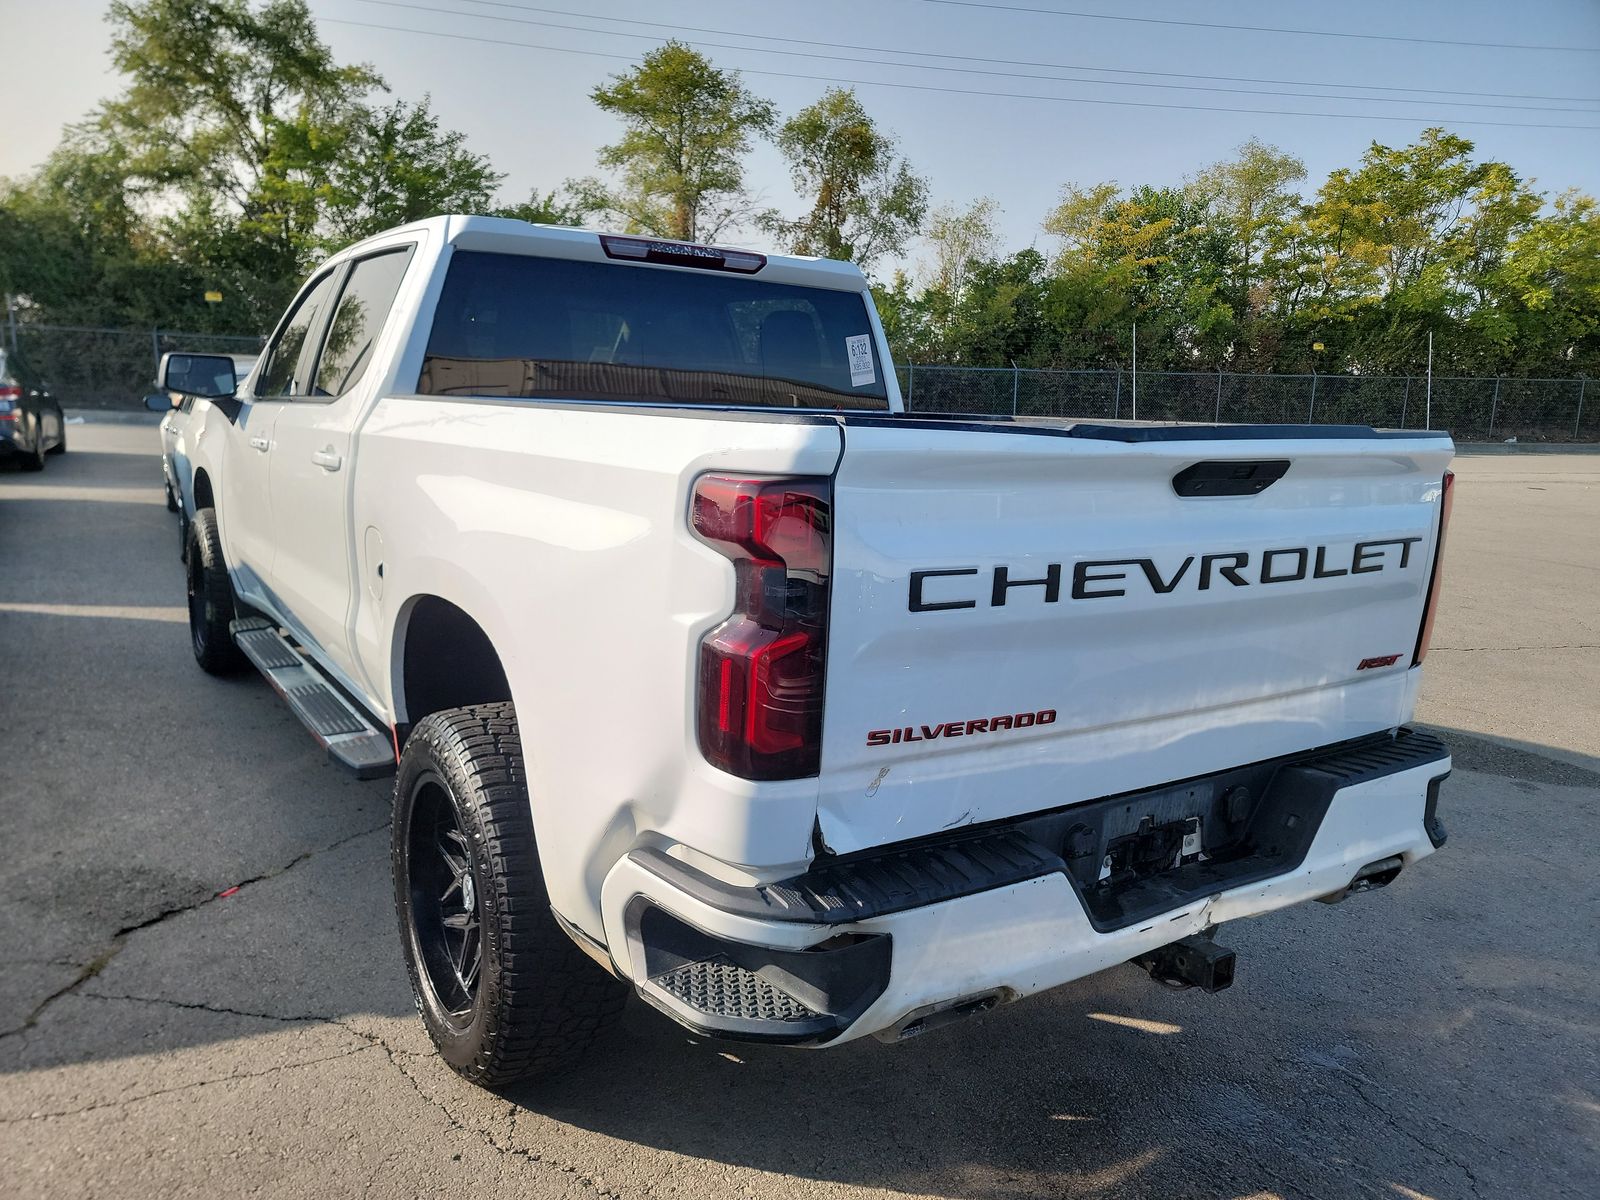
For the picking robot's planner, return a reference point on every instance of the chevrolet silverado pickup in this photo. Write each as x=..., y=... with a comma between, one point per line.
x=706, y=671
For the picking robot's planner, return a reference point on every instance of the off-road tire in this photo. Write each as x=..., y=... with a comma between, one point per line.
x=210, y=595
x=539, y=1001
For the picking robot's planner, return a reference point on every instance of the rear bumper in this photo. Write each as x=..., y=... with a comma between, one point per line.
x=886, y=943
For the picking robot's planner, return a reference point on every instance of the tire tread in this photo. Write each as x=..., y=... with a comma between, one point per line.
x=221, y=656
x=545, y=1000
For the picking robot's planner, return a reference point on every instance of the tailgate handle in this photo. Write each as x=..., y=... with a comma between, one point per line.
x=1229, y=478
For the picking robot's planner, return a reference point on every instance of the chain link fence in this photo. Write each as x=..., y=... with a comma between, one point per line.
x=90, y=367
x=1530, y=410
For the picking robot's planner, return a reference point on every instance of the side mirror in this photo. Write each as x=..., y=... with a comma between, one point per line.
x=159, y=402
x=209, y=375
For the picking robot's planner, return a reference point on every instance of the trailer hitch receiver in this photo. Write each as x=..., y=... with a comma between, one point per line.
x=1194, y=961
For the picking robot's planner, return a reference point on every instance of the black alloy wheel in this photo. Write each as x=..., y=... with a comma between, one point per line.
x=444, y=901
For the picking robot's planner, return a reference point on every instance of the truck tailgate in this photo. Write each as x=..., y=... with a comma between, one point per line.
x=1025, y=618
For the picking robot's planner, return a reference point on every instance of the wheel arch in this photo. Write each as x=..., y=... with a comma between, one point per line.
x=204, y=497
x=441, y=657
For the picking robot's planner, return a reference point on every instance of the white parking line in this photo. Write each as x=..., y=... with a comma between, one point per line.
x=125, y=612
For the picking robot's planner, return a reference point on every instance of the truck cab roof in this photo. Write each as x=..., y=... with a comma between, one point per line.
x=507, y=236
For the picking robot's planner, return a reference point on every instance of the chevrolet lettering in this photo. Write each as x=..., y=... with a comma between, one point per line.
x=1104, y=578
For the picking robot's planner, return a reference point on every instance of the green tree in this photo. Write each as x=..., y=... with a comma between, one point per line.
x=865, y=200
x=239, y=152
x=959, y=238
x=1163, y=254
x=1405, y=203
x=687, y=127
x=1251, y=195
x=394, y=164
x=999, y=316
x=1550, y=282
x=1411, y=241
x=571, y=205
x=237, y=110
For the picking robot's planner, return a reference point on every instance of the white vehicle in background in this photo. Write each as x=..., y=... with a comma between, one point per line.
x=176, y=405
x=708, y=672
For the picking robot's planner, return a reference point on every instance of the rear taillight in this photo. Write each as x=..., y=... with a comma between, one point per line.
x=761, y=671
x=10, y=402
x=1435, y=580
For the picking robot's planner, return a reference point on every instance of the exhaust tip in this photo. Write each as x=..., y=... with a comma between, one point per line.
x=921, y=1020
x=1369, y=879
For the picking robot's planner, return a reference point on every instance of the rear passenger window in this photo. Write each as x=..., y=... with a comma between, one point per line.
x=363, y=309
x=520, y=325
x=288, y=368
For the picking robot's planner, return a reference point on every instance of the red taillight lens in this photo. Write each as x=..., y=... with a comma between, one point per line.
x=10, y=402
x=1446, y=498
x=761, y=670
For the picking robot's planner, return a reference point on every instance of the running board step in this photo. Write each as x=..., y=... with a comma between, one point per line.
x=346, y=733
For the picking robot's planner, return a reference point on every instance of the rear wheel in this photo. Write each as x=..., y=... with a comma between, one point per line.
x=504, y=993
x=210, y=598
x=33, y=460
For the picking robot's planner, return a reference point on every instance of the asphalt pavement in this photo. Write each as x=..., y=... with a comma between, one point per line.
x=203, y=995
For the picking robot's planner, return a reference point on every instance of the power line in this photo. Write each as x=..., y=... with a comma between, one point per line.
x=1023, y=62
x=1368, y=37
x=1179, y=87
x=920, y=87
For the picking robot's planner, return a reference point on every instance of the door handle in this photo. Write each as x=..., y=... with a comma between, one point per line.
x=258, y=442
x=327, y=459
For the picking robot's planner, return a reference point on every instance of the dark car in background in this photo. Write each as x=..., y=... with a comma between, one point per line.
x=31, y=424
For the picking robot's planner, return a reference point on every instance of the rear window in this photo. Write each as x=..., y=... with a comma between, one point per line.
x=549, y=328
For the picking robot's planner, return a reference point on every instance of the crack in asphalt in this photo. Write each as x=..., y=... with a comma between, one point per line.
x=1358, y=1084
x=489, y=1140
x=224, y=1010
x=183, y=1087
x=372, y=1042
x=120, y=937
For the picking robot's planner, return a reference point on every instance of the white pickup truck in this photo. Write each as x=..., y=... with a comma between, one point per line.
x=694, y=655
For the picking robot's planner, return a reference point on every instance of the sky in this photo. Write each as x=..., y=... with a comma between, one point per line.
x=1133, y=97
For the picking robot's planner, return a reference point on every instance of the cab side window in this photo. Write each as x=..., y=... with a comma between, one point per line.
x=368, y=295
x=289, y=358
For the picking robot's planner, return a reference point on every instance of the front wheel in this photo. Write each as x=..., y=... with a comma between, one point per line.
x=210, y=598
x=504, y=993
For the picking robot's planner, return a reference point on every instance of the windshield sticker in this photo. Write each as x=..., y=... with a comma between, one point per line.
x=859, y=350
